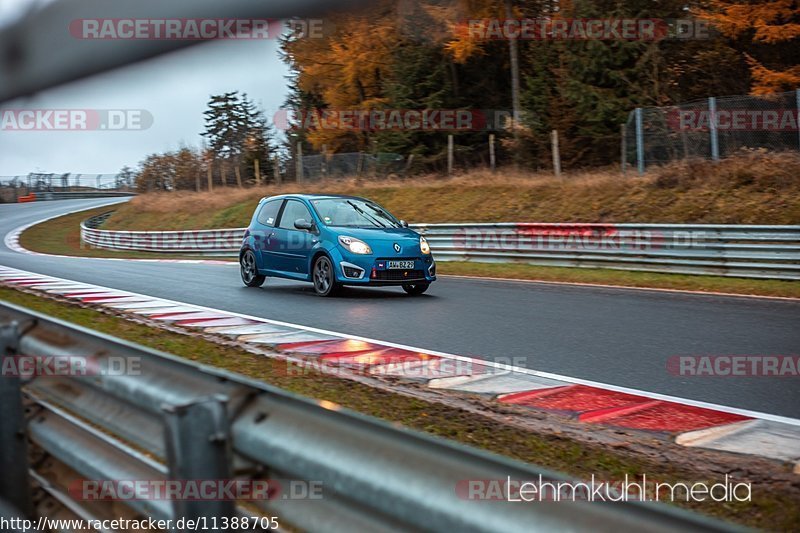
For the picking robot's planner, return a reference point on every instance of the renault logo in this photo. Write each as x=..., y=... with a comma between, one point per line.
x=397, y=248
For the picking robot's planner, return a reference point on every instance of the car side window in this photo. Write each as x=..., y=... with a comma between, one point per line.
x=294, y=209
x=269, y=212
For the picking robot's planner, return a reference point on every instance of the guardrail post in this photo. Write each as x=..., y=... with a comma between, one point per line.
x=198, y=444
x=712, y=128
x=15, y=484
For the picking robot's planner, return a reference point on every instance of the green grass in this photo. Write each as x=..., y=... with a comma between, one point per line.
x=772, y=507
x=765, y=287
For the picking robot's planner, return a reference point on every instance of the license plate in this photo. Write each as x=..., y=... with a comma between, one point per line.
x=401, y=265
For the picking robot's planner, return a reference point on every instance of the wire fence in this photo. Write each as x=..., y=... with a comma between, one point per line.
x=356, y=164
x=711, y=128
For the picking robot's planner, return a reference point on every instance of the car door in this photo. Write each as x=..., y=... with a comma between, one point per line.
x=265, y=234
x=294, y=246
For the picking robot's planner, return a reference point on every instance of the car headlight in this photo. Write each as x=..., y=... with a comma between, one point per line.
x=424, y=247
x=354, y=245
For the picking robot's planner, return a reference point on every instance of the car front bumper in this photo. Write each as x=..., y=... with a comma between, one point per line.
x=372, y=271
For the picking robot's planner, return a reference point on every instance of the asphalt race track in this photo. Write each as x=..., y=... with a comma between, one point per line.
x=618, y=336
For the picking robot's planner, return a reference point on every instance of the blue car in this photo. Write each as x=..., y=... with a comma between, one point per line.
x=333, y=241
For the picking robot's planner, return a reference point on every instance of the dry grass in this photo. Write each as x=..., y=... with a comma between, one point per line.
x=755, y=188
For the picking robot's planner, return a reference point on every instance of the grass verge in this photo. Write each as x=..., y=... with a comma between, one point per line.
x=757, y=287
x=770, y=507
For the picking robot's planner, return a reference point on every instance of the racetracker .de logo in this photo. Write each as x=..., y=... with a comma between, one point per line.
x=392, y=119
x=733, y=119
x=195, y=489
x=557, y=29
x=185, y=29
x=75, y=119
x=734, y=365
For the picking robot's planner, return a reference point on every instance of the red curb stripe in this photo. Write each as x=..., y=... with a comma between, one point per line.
x=598, y=406
x=668, y=416
x=169, y=315
x=99, y=298
x=330, y=347
x=299, y=347
x=386, y=356
x=213, y=321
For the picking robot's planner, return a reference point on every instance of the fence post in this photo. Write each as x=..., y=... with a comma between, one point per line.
x=257, y=171
x=556, y=153
x=492, y=158
x=623, y=148
x=639, y=141
x=797, y=100
x=712, y=128
x=324, y=167
x=449, y=155
x=298, y=165
x=14, y=482
x=210, y=176
x=199, y=448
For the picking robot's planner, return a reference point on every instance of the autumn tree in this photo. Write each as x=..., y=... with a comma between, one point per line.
x=767, y=32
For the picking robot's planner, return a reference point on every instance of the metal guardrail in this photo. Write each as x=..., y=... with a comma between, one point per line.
x=771, y=252
x=66, y=195
x=174, y=419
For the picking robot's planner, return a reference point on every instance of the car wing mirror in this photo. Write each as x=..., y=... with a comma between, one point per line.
x=403, y=223
x=303, y=224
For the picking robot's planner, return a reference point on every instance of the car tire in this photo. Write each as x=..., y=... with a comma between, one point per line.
x=248, y=268
x=324, y=277
x=415, y=289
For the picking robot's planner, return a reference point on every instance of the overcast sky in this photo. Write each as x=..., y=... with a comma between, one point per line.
x=173, y=88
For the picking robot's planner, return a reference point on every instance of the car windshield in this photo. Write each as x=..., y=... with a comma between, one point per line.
x=352, y=212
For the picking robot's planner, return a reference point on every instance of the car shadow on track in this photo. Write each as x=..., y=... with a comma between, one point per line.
x=346, y=293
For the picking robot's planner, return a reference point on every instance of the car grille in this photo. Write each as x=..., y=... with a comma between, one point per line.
x=398, y=275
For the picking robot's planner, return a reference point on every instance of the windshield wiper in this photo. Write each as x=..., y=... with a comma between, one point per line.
x=366, y=215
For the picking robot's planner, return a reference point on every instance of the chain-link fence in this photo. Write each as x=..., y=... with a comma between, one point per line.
x=334, y=166
x=711, y=128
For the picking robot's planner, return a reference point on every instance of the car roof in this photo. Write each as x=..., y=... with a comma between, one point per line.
x=310, y=197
